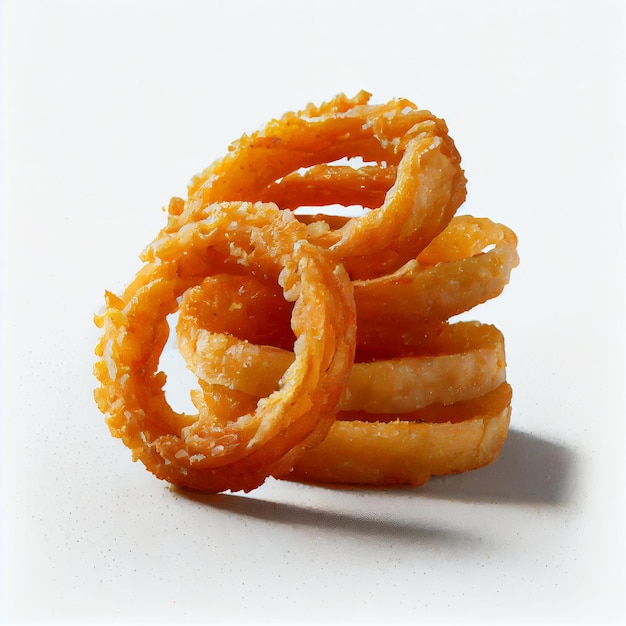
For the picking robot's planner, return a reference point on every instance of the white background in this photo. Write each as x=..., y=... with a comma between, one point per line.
x=109, y=108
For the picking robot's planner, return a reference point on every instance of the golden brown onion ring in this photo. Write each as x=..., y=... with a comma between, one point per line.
x=436, y=404
x=465, y=360
x=452, y=275
x=406, y=452
x=429, y=185
x=342, y=127
x=202, y=451
x=399, y=313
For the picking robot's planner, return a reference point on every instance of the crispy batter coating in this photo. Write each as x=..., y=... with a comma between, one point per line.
x=414, y=162
x=201, y=451
x=404, y=452
x=322, y=343
x=465, y=360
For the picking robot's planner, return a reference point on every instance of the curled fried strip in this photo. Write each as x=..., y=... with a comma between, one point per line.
x=342, y=127
x=465, y=360
x=321, y=343
x=323, y=185
x=373, y=449
x=403, y=452
x=202, y=451
x=451, y=276
x=438, y=413
x=428, y=188
x=399, y=313
x=246, y=306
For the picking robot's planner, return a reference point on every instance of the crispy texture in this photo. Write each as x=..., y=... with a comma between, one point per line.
x=322, y=343
x=204, y=452
x=386, y=449
x=397, y=314
x=416, y=164
x=452, y=275
x=465, y=360
x=404, y=452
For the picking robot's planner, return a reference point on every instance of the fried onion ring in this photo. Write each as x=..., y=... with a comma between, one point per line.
x=428, y=187
x=402, y=452
x=453, y=274
x=322, y=343
x=204, y=452
x=398, y=313
x=391, y=450
x=465, y=360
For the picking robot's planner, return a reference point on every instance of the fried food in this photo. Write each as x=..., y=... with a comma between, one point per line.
x=202, y=451
x=408, y=452
x=415, y=164
x=467, y=264
x=464, y=360
x=323, y=344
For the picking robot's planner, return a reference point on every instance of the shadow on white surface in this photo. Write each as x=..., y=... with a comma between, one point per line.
x=529, y=470
x=350, y=522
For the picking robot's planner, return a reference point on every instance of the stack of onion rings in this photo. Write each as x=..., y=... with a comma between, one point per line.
x=322, y=344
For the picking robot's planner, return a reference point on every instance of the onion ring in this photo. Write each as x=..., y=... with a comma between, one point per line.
x=452, y=275
x=465, y=360
x=428, y=188
x=404, y=452
x=206, y=453
x=322, y=343
x=392, y=450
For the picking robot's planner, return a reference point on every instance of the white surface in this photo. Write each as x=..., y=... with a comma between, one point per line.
x=109, y=108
